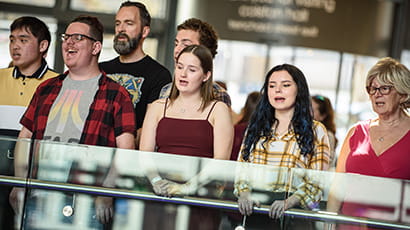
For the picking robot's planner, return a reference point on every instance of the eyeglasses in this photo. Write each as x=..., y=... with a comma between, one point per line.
x=384, y=89
x=75, y=37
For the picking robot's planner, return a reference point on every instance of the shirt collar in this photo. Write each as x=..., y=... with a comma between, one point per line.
x=38, y=74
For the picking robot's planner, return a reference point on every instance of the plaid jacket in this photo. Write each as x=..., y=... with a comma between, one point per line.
x=111, y=113
x=284, y=152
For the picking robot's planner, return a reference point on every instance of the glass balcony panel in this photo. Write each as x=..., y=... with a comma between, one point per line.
x=68, y=177
x=353, y=201
x=8, y=181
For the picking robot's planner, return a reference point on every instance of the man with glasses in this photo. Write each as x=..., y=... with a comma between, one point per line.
x=141, y=75
x=82, y=105
x=29, y=41
x=84, y=82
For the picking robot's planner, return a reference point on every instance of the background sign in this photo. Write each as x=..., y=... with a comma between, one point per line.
x=361, y=27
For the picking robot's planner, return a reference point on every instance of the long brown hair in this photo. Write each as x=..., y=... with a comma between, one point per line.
x=326, y=109
x=205, y=58
x=250, y=106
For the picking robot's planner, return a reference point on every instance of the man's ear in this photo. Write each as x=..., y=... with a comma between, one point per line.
x=97, y=46
x=43, y=46
x=145, y=31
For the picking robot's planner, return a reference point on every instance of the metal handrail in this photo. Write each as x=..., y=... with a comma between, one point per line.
x=122, y=193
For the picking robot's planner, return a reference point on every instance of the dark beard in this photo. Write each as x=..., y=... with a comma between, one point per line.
x=126, y=47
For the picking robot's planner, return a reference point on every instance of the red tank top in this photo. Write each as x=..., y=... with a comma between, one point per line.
x=185, y=136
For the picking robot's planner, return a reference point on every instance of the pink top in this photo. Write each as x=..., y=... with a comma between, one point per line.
x=362, y=159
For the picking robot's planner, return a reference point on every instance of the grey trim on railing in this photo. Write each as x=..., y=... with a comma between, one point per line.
x=102, y=191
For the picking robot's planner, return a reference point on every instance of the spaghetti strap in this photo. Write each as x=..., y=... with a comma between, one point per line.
x=212, y=108
x=165, y=107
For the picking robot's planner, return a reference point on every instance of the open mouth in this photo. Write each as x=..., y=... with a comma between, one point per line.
x=16, y=55
x=71, y=51
x=183, y=82
x=279, y=99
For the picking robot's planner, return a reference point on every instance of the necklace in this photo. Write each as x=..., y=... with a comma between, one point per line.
x=183, y=107
x=391, y=124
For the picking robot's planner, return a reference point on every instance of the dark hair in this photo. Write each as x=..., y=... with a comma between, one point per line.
x=206, y=60
x=35, y=26
x=145, y=17
x=222, y=84
x=326, y=109
x=96, y=27
x=260, y=125
x=207, y=34
x=250, y=106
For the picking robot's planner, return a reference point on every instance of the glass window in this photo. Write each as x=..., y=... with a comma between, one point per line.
x=405, y=58
x=157, y=8
x=242, y=66
x=46, y=3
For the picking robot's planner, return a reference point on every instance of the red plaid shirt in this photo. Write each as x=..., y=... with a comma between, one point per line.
x=111, y=113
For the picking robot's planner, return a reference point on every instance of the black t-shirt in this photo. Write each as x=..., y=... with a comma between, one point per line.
x=143, y=80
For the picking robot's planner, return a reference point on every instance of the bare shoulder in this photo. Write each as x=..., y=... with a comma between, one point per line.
x=159, y=103
x=221, y=106
x=220, y=112
x=157, y=107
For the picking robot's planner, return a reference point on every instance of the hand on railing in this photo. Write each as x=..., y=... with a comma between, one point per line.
x=161, y=186
x=246, y=204
x=185, y=189
x=104, y=209
x=278, y=207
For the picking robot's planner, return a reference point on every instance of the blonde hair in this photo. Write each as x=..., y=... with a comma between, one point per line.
x=389, y=71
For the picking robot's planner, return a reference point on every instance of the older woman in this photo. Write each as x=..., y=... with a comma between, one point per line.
x=377, y=147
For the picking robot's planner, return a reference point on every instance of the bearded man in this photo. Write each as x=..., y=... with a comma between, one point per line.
x=141, y=75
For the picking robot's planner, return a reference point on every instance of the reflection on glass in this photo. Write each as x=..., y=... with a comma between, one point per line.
x=377, y=198
x=69, y=178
